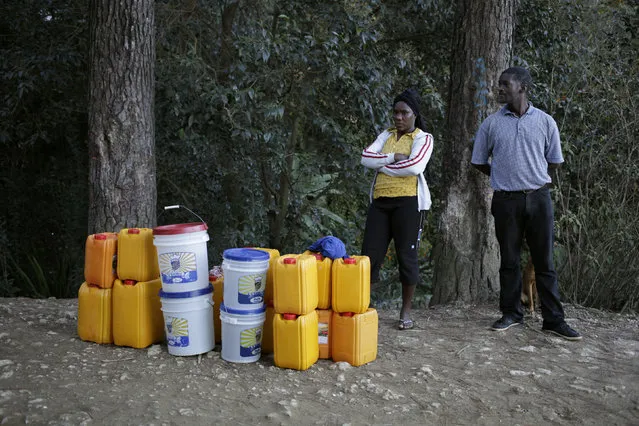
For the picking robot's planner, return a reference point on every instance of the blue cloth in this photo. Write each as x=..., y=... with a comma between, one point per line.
x=331, y=247
x=520, y=148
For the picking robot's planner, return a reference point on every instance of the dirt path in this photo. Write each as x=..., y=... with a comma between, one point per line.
x=451, y=369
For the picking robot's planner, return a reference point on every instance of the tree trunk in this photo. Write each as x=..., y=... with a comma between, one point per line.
x=122, y=187
x=466, y=255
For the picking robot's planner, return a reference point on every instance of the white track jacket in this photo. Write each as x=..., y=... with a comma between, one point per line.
x=414, y=166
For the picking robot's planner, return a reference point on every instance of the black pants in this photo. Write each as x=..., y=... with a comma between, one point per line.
x=393, y=218
x=518, y=215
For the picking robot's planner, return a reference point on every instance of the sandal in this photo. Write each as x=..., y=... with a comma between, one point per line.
x=405, y=324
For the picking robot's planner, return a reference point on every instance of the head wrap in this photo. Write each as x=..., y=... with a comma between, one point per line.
x=412, y=99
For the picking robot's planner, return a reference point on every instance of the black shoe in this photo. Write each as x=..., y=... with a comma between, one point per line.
x=505, y=322
x=564, y=331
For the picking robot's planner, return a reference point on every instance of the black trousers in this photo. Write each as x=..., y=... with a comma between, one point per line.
x=393, y=218
x=530, y=215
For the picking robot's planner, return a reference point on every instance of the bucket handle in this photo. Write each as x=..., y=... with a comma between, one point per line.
x=177, y=206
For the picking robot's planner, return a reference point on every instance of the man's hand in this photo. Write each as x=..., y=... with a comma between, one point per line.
x=400, y=157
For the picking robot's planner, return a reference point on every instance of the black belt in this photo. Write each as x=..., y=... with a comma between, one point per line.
x=524, y=191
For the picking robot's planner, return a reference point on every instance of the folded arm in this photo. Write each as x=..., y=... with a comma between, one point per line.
x=416, y=162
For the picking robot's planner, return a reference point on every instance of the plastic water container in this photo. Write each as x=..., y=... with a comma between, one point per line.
x=188, y=321
x=324, y=271
x=242, y=334
x=95, y=314
x=354, y=337
x=218, y=298
x=244, y=278
x=325, y=319
x=295, y=340
x=100, y=259
x=351, y=282
x=267, y=331
x=182, y=256
x=295, y=279
x=137, y=313
x=273, y=255
x=137, y=257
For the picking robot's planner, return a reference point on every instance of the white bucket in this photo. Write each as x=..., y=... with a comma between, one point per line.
x=244, y=278
x=182, y=256
x=188, y=321
x=242, y=334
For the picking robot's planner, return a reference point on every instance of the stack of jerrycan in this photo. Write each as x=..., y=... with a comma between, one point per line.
x=243, y=312
x=295, y=324
x=324, y=312
x=137, y=316
x=186, y=295
x=267, y=332
x=355, y=325
x=95, y=294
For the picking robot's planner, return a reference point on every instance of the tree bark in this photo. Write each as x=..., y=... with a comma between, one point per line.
x=466, y=254
x=122, y=185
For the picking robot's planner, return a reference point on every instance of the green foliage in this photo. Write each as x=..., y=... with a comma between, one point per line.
x=43, y=169
x=307, y=88
x=262, y=112
x=584, y=58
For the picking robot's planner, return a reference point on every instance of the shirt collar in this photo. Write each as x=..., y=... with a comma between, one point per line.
x=506, y=111
x=411, y=134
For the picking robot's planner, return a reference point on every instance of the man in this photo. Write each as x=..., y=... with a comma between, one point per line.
x=523, y=145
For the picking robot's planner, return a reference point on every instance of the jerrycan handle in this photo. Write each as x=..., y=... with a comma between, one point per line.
x=178, y=206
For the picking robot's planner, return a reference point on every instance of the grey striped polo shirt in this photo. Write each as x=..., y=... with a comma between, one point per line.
x=519, y=148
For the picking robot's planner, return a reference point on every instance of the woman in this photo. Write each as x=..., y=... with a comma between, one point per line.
x=399, y=195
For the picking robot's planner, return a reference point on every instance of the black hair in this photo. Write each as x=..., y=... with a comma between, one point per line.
x=522, y=75
x=413, y=100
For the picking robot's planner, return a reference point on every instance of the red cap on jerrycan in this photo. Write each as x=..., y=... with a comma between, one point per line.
x=129, y=282
x=100, y=236
x=350, y=261
x=318, y=256
x=347, y=314
x=289, y=316
x=133, y=231
x=290, y=261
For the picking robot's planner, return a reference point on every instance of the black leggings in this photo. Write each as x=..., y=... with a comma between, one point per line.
x=393, y=218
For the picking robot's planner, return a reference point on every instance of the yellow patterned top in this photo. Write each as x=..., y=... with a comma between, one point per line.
x=389, y=186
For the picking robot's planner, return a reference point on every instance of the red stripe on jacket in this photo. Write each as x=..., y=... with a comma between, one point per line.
x=408, y=163
x=375, y=154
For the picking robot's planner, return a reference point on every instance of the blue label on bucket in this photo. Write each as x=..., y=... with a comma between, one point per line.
x=251, y=289
x=177, y=332
x=251, y=342
x=178, y=267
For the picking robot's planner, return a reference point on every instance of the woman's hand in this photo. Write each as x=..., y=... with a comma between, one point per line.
x=400, y=157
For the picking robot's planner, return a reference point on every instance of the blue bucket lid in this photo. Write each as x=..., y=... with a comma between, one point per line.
x=186, y=294
x=223, y=308
x=246, y=255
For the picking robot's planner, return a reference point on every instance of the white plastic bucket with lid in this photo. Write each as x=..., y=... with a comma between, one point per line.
x=188, y=321
x=244, y=278
x=242, y=333
x=182, y=256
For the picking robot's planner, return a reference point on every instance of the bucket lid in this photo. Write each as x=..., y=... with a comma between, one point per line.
x=180, y=228
x=246, y=255
x=186, y=294
x=223, y=308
